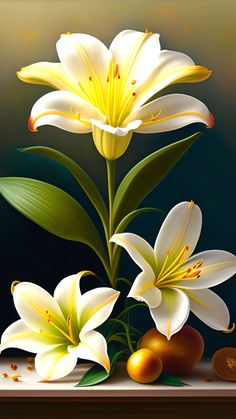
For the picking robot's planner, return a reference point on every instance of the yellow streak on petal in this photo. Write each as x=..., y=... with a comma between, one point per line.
x=103, y=359
x=146, y=286
x=175, y=115
x=103, y=304
x=60, y=113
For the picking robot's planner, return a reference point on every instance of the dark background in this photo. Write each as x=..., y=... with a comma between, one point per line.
x=203, y=29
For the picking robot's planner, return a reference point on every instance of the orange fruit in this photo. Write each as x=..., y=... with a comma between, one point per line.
x=144, y=366
x=180, y=353
x=224, y=363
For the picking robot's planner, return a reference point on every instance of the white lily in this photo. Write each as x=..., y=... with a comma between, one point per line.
x=59, y=329
x=104, y=91
x=171, y=282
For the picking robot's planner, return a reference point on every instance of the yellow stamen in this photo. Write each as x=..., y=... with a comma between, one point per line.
x=68, y=336
x=174, y=265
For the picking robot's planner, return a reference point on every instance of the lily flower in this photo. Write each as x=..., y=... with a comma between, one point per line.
x=104, y=91
x=59, y=329
x=173, y=282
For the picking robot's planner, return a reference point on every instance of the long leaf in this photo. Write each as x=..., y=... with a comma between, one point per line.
x=51, y=208
x=80, y=175
x=97, y=373
x=146, y=175
x=129, y=217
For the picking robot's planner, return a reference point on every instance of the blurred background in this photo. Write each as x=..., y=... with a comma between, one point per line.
x=206, y=31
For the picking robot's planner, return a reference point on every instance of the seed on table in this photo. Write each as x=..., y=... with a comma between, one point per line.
x=4, y=375
x=15, y=377
x=29, y=368
x=13, y=367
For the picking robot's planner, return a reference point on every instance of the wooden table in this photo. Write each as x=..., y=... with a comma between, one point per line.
x=119, y=396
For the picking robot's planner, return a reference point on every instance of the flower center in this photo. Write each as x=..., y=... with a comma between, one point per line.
x=69, y=335
x=113, y=98
x=170, y=272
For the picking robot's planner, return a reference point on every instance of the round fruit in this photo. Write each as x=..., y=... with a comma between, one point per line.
x=224, y=363
x=144, y=366
x=180, y=353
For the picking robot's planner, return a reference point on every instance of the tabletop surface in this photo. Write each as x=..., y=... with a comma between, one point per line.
x=201, y=382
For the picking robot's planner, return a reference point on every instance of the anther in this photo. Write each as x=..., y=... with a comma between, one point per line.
x=133, y=82
x=133, y=94
x=90, y=78
x=116, y=71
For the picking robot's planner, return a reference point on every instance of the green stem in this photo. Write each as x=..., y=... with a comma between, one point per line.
x=111, y=170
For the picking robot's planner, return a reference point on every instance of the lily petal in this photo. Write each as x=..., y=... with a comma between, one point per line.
x=171, y=112
x=93, y=347
x=139, y=250
x=20, y=336
x=35, y=306
x=55, y=363
x=181, y=228
x=119, y=131
x=84, y=56
x=95, y=307
x=51, y=74
x=136, y=54
x=217, y=267
x=209, y=308
x=173, y=67
x=143, y=290
x=172, y=313
x=64, y=110
x=67, y=293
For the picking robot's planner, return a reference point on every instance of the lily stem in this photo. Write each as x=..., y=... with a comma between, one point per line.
x=111, y=172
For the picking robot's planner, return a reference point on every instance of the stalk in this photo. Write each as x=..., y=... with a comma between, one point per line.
x=111, y=172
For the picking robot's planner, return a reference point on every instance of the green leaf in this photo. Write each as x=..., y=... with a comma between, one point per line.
x=97, y=373
x=51, y=208
x=146, y=175
x=169, y=380
x=129, y=217
x=80, y=175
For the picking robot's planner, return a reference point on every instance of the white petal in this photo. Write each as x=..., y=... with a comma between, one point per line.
x=51, y=74
x=67, y=293
x=120, y=131
x=136, y=53
x=35, y=305
x=55, y=363
x=217, y=267
x=95, y=307
x=173, y=67
x=209, y=308
x=64, y=110
x=139, y=250
x=171, y=112
x=83, y=56
x=181, y=227
x=143, y=290
x=93, y=347
x=172, y=313
x=20, y=336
